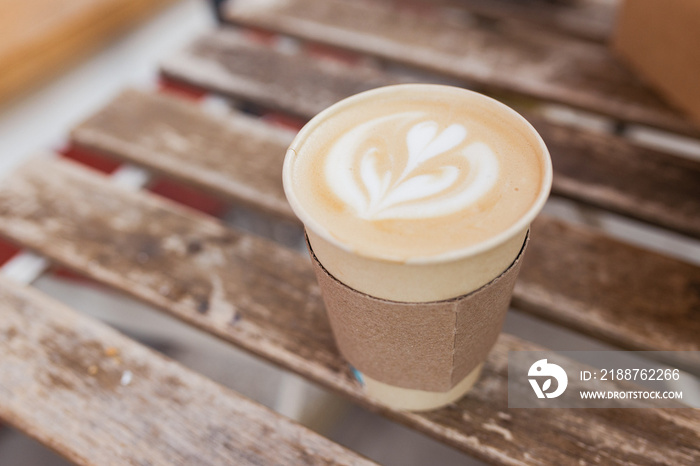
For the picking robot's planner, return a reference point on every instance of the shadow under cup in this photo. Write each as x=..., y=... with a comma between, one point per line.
x=417, y=332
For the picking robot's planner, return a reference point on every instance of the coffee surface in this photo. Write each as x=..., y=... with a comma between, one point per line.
x=415, y=171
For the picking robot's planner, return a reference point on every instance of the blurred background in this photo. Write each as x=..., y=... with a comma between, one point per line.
x=61, y=60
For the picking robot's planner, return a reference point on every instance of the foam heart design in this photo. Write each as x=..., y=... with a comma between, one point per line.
x=414, y=192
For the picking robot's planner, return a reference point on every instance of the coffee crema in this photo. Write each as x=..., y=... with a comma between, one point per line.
x=416, y=171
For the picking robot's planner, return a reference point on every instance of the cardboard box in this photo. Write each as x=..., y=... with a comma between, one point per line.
x=660, y=39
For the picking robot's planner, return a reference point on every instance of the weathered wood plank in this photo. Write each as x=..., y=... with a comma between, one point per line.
x=99, y=398
x=264, y=298
x=226, y=62
x=619, y=293
x=658, y=188
x=499, y=57
x=225, y=155
x=615, y=174
x=587, y=19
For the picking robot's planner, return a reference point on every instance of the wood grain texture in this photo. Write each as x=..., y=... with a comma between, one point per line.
x=228, y=63
x=613, y=291
x=264, y=298
x=625, y=295
x=228, y=156
x=498, y=57
x=615, y=174
x=598, y=169
x=587, y=19
x=42, y=37
x=63, y=382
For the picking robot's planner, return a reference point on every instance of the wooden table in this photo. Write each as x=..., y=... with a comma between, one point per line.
x=97, y=397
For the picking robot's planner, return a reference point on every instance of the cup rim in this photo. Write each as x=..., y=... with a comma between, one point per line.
x=309, y=222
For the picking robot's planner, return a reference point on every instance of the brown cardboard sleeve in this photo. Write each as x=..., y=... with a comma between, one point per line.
x=426, y=346
x=660, y=39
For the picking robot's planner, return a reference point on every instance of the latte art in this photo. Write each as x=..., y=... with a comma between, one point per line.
x=416, y=172
x=437, y=172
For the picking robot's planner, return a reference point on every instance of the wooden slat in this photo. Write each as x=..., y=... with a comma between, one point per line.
x=264, y=298
x=658, y=188
x=63, y=382
x=625, y=295
x=613, y=291
x=500, y=57
x=615, y=174
x=226, y=62
x=228, y=156
x=587, y=19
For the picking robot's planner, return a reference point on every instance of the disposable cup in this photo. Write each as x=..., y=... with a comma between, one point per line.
x=426, y=282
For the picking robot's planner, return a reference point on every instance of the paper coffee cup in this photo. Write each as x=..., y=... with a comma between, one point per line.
x=417, y=201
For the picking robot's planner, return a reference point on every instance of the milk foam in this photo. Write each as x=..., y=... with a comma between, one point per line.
x=407, y=190
x=414, y=172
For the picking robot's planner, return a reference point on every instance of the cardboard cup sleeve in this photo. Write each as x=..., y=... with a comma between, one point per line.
x=425, y=346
